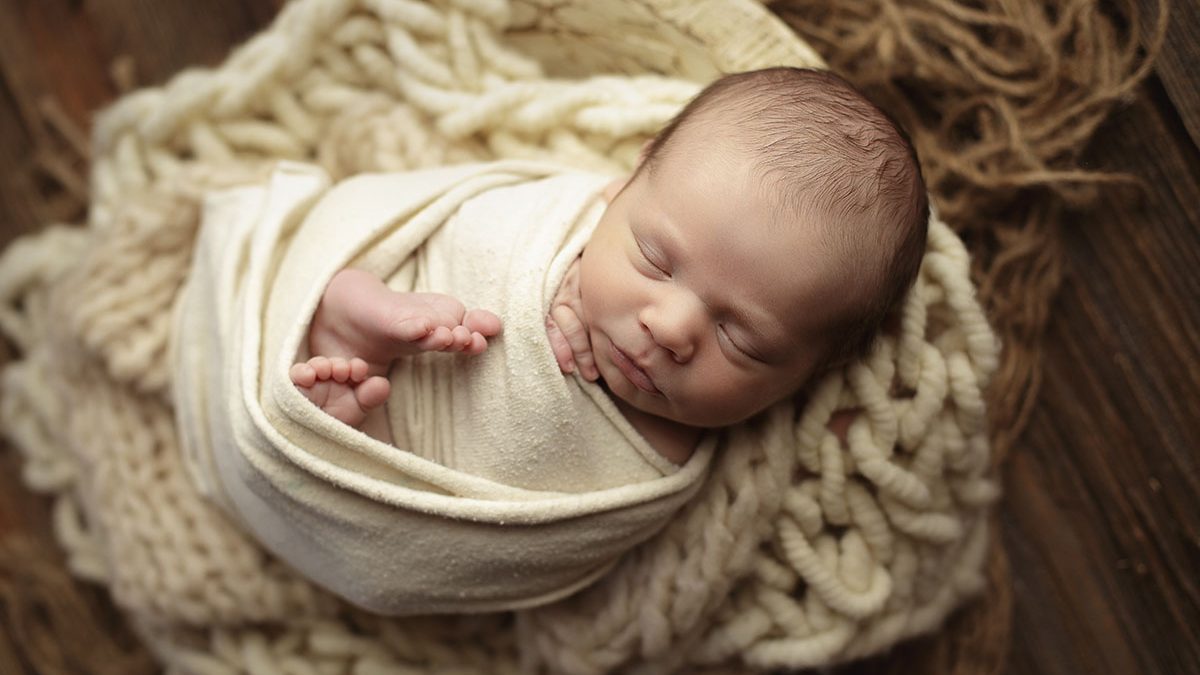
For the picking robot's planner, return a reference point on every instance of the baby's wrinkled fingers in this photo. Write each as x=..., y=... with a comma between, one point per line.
x=302, y=375
x=339, y=369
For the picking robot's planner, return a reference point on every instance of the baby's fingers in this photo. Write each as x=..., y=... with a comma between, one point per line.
x=587, y=364
x=560, y=347
x=576, y=335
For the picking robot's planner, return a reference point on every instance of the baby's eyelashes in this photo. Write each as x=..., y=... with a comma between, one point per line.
x=743, y=351
x=656, y=268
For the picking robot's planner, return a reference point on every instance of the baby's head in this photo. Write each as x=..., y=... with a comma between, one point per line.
x=765, y=235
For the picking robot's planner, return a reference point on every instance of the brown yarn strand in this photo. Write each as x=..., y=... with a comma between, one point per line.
x=1001, y=98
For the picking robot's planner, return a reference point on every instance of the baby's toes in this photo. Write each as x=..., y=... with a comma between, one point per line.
x=449, y=308
x=303, y=375
x=339, y=369
x=321, y=366
x=319, y=393
x=438, y=340
x=478, y=345
x=412, y=329
x=483, y=322
x=358, y=369
x=373, y=393
x=462, y=339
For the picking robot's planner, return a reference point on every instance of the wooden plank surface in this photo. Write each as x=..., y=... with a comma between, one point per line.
x=1176, y=67
x=1101, y=516
x=1101, y=508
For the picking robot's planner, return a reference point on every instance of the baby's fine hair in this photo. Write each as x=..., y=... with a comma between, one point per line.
x=829, y=154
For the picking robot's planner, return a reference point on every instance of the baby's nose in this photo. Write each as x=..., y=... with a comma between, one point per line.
x=673, y=324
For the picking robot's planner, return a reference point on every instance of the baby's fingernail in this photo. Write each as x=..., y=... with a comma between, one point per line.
x=569, y=368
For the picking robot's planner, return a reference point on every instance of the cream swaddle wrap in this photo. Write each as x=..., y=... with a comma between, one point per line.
x=509, y=485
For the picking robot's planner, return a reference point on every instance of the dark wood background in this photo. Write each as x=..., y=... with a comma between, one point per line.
x=1102, y=493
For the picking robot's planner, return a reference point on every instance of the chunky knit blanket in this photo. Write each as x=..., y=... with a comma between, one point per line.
x=800, y=551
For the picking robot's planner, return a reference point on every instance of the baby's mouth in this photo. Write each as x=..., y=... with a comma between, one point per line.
x=632, y=372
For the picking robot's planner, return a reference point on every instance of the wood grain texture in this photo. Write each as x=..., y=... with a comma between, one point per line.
x=1100, y=516
x=1176, y=67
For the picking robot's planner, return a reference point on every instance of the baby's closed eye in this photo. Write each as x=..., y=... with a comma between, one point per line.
x=650, y=258
x=744, y=351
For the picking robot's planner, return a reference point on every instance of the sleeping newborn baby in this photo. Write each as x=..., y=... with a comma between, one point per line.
x=476, y=387
x=763, y=237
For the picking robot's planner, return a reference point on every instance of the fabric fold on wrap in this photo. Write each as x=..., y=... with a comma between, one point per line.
x=508, y=486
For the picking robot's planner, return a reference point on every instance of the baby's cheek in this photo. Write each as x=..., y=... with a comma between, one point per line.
x=759, y=393
x=587, y=302
x=715, y=394
x=593, y=292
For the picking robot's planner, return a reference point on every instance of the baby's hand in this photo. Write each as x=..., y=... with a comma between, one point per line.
x=564, y=326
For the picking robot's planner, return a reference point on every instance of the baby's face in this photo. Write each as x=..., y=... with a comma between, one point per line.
x=701, y=309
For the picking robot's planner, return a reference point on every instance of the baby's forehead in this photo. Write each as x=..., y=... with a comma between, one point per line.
x=781, y=263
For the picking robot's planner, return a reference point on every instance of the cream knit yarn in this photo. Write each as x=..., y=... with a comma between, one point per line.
x=797, y=553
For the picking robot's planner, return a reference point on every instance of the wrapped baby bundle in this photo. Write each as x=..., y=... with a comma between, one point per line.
x=781, y=548
x=511, y=485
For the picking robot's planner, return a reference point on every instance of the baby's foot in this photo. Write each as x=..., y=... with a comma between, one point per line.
x=341, y=387
x=359, y=316
x=361, y=326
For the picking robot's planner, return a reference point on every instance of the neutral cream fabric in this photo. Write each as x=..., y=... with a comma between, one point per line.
x=510, y=416
x=511, y=485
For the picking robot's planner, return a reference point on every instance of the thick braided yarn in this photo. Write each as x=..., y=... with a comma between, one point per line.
x=797, y=551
